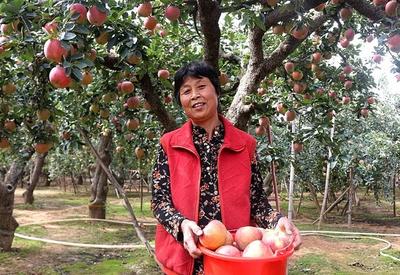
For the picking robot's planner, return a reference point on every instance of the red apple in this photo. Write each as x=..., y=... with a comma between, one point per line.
x=349, y=34
x=96, y=17
x=346, y=100
x=347, y=69
x=214, y=235
x=394, y=43
x=81, y=9
x=245, y=235
x=257, y=249
x=163, y=74
x=172, y=13
x=53, y=50
x=289, y=67
x=391, y=8
x=348, y=84
x=59, y=78
x=145, y=9
x=50, y=27
x=377, y=58
x=150, y=23
x=228, y=250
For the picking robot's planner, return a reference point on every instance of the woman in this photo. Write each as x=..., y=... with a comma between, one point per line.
x=205, y=170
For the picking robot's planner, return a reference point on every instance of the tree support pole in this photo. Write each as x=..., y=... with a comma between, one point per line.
x=114, y=181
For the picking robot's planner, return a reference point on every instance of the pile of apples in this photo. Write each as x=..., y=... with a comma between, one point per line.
x=248, y=241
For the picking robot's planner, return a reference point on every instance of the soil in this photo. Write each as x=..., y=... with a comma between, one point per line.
x=55, y=255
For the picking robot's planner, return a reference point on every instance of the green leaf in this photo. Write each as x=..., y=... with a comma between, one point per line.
x=76, y=74
x=67, y=36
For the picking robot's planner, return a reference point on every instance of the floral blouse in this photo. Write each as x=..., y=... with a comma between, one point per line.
x=209, y=208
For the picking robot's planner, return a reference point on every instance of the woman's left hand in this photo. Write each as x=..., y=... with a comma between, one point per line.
x=290, y=229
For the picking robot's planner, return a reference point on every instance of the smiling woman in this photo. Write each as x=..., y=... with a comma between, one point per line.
x=205, y=171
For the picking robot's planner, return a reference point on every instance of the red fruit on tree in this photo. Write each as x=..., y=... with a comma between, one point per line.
x=297, y=75
x=289, y=67
x=53, y=50
x=347, y=69
x=132, y=124
x=133, y=102
x=81, y=9
x=344, y=42
x=51, y=27
x=280, y=108
x=394, y=43
x=59, y=78
x=391, y=8
x=300, y=32
x=87, y=78
x=346, y=100
x=263, y=121
x=371, y=100
x=316, y=57
x=345, y=13
x=369, y=38
x=10, y=125
x=377, y=58
x=364, y=112
x=320, y=7
x=8, y=88
x=150, y=23
x=4, y=143
x=332, y=94
x=145, y=9
x=290, y=115
x=349, y=34
x=163, y=74
x=172, y=13
x=398, y=77
x=297, y=147
x=127, y=87
x=96, y=17
x=348, y=84
x=168, y=99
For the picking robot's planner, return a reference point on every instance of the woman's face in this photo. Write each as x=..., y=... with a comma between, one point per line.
x=199, y=99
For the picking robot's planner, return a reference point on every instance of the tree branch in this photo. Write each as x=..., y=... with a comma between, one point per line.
x=156, y=105
x=366, y=9
x=209, y=13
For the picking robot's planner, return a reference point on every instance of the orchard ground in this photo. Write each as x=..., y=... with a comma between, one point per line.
x=318, y=255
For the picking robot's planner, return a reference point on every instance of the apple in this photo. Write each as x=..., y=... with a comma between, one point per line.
x=8, y=88
x=87, y=78
x=345, y=13
x=4, y=143
x=344, y=42
x=297, y=147
x=257, y=249
x=214, y=235
x=145, y=9
x=280, y=108
x=53, y=50
x=346, y=100
x=394, y=43
x=316, y=57
x=290, y=115
x=50, y=27
x=364, y=112
x=133, y=102
x=81, y=9
x=347, y=69
x=377, y=58
x=127, y=87
x=391, y=8
x=228, y=250
x=150, y=23
x=300, y=32
x=96, y=17
x=348, y=84
x=43, y=114
x=371, y=100
x=289, y=67
x=59, y=78
x=172, y=13
x=245, y=235
x=10, y=125
x=163, y=74
x=349, y=34
x=297, y=75
x=132, y=124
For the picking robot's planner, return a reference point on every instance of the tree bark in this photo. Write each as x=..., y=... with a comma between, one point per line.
x=157, y=107
x=8, y=224
x=99, y=188
x=34, y=179
x=209, y=14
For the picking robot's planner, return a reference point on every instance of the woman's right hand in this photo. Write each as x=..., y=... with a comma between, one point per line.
x=191, y=232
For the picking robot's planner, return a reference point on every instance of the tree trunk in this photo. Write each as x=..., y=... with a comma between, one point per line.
x=34, y=179
x=99, y=188
x=8, y=224
x=351, y=195
x=291, y=181
x=314, y=195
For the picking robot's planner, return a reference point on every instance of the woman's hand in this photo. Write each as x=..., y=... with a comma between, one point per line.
x=191, y=232
x=291, y=229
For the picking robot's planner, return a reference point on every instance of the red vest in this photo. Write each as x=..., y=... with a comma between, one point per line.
x=234, y=179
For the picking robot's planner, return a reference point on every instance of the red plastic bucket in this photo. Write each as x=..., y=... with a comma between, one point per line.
x=217, y=264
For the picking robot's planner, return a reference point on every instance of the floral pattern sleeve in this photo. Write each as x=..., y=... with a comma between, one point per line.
x=261, y=211
x=161, y=202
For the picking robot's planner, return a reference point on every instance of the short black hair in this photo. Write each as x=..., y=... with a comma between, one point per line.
x=196, y=69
